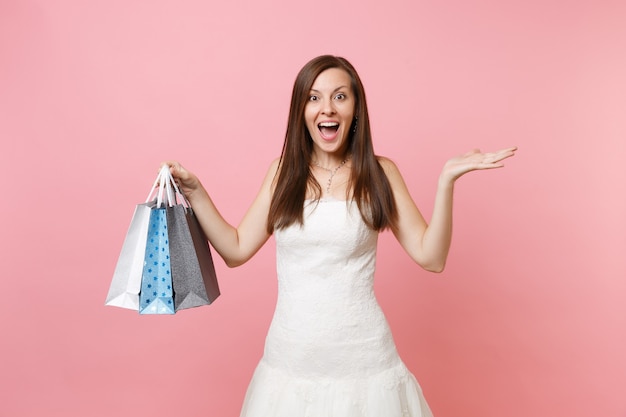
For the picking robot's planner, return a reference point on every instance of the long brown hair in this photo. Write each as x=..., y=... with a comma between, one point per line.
x=370, y=188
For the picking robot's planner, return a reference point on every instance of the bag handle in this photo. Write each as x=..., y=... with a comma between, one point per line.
x=167, y=189
x=172, y=182
x=160, y=186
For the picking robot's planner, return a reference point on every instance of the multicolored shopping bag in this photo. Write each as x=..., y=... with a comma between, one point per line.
x=126, y=282
x=166, y=263
x=157, y=293
x=193, y=272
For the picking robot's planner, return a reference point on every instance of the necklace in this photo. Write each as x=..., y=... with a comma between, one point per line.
x=331, y=171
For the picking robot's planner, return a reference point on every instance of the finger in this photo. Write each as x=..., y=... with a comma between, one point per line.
x=490, y=165
x=508, y=152
x=500, y=155
x=473, y=152
x=176, y=169
x=504, y=155
x=170, y=164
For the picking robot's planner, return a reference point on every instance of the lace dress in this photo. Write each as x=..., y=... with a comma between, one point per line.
x=329, y=351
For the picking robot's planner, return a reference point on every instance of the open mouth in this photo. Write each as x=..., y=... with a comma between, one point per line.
x=328, y=129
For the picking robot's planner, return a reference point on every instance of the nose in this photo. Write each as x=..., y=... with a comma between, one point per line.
x=328, y=107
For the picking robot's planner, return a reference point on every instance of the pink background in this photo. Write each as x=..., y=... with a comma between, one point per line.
x=528, y=319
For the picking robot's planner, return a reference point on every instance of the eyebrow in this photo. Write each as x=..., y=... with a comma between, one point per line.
x=334, y=91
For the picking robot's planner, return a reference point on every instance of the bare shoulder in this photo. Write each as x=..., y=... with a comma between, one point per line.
x=274, y=166
x=390, y=167
x=272, y=174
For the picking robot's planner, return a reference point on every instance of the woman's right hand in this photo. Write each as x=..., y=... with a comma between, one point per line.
x=185, y=179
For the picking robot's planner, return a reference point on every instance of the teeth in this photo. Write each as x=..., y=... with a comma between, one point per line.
x=329, y=124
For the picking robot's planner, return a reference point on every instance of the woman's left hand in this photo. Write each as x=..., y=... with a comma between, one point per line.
x=475, y=160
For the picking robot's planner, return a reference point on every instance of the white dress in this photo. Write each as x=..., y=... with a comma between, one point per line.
x=329, y=351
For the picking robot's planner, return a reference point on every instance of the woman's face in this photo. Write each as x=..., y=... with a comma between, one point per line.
x=329, y=112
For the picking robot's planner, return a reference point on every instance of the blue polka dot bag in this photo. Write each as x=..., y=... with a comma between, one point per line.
x=157, y=289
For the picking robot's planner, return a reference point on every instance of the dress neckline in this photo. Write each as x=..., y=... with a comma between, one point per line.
x=326, y=200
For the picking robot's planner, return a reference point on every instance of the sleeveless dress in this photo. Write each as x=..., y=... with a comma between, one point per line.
x=329, y=351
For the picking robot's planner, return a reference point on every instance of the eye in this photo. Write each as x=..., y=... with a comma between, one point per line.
x=340, y=96
x=313, y=98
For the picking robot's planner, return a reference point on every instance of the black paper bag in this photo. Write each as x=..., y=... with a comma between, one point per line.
x=193, y=273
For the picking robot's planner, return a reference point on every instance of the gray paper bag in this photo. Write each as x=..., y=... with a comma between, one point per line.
x=126, y=282
x=193, y=273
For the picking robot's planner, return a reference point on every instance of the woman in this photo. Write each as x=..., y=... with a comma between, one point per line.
x=329, y=350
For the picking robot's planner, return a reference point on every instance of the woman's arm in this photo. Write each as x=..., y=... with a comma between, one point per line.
x=428, y=244
x=235, y=245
